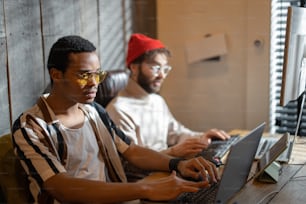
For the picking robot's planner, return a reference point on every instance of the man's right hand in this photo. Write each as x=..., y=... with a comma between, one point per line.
x=190, y=147
x=168, y=187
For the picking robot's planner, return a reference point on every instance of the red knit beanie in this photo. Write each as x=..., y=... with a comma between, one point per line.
x=139, y=44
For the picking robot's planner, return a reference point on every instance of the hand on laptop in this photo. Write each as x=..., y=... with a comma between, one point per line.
x=189, y=147
x=192, y=146
x=197, y=168
x=163, y=186
x=214, y=134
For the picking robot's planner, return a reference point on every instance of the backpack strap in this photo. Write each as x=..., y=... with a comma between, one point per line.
x=110, y=125
x=105, y=139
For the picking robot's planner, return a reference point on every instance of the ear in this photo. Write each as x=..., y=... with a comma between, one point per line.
x=134, y=68
x=55, y=74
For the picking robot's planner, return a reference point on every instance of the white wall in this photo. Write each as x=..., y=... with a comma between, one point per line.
x=230, y=93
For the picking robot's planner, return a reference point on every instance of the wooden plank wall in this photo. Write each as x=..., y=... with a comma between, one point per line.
x=24, y=50
x=29, y=28
x=4, y=103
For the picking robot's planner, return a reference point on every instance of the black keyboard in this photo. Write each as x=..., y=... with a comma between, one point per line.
x=204, y=195
x=218, y=148
x=266, y=144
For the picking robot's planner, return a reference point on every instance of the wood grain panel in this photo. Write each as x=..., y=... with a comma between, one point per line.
x=69, y=17
x=29, y=28
x=24, y=48
x=2, y=30
x=4, y=103
x=89, y=21
x=60, y=17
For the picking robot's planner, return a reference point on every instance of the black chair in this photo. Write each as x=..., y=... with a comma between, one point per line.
x=115, y=81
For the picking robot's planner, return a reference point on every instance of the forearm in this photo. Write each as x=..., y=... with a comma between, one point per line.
x=146, y=158
x=68, y=189
x=169, y=151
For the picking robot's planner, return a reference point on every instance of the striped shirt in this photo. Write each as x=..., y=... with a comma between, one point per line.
x=46, y=147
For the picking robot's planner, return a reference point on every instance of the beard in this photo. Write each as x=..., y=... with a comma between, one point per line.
x=146, y=83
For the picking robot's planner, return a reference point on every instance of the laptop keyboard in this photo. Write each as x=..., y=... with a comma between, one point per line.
x=265, y=145
x=218, y=148
x=204, y=195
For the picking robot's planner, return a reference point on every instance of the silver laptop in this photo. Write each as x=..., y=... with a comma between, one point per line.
x=266, y=144
x=235, y=174
x=266, y=173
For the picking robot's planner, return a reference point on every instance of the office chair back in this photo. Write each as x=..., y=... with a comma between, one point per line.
x=115, y=81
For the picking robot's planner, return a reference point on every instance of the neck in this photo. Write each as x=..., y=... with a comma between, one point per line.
x=61, y=106
x=67, y=112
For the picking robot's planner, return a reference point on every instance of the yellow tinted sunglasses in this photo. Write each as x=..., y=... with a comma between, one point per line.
x=84, y=77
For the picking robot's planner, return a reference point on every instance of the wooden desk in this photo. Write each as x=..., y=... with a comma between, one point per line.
x=289, y=189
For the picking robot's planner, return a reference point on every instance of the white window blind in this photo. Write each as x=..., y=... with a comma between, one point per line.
x=282, y=119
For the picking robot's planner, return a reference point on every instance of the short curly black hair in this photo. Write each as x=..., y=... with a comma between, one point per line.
x=60, y=50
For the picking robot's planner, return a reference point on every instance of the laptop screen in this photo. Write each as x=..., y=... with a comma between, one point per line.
x=238, y=164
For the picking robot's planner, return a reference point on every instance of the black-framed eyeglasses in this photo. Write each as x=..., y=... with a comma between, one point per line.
x=84, y=77
x=156, y=69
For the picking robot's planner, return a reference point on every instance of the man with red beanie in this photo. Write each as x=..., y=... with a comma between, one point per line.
x=143, y=115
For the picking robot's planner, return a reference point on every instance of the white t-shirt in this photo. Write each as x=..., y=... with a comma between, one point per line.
x=146, y=118
x=83, y=159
